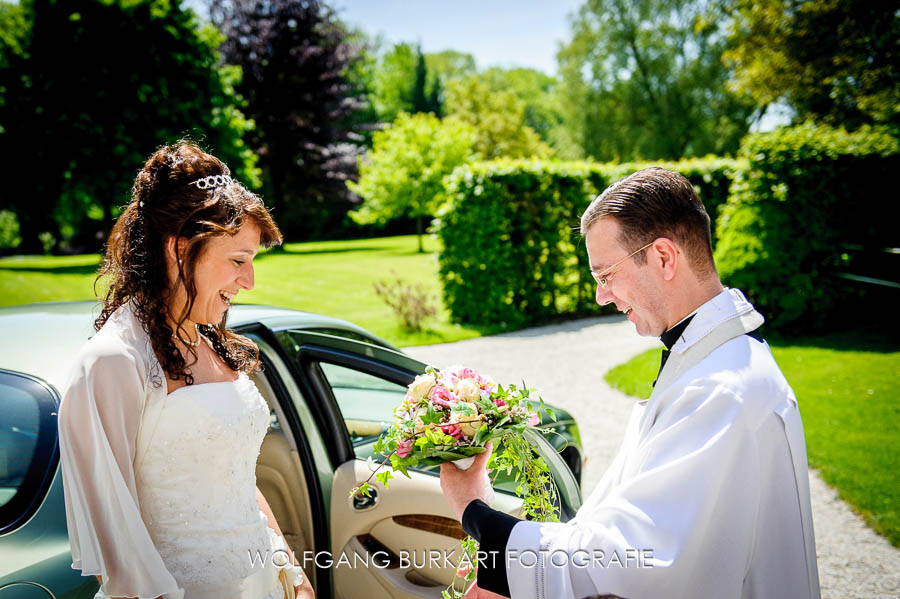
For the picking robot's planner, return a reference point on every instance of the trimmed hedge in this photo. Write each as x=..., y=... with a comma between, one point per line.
x=512, y=254
x=801, y=194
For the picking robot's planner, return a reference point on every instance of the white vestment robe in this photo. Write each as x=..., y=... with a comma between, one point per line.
x=708, y=496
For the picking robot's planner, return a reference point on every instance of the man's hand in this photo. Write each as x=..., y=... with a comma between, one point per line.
x=477, y=593
x=305, y=590
x=461, y=487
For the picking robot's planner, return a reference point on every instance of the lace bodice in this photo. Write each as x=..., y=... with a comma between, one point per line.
x=197, y=485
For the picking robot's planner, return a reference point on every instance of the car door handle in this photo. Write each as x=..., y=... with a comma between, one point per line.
x=363, y=502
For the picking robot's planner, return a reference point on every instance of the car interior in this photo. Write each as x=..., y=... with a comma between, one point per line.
x=390, y=546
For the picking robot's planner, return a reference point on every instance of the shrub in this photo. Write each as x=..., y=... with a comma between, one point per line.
x=512, y=254
x=9, y=230
x=801, y=194
x=410, y=303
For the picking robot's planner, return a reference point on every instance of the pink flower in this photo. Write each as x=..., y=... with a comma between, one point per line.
x=404, y=448
x=500, y=402
x=487, y=383
x=467, y=373
x=442, y=396
x=533, y=419
x=454, y=430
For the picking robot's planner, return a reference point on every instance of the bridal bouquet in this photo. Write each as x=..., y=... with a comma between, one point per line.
x=448, y=416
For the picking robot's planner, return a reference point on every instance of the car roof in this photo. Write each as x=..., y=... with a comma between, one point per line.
x=42, y=339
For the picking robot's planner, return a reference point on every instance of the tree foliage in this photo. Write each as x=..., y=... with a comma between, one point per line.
x=539, y=93
x=450, y=64
x=402, y=174
x=392, y=82
x=87, y=91
x=837, y=61
x=645, y=79
x=402, y=82
x=498, y=118
x=294, y=57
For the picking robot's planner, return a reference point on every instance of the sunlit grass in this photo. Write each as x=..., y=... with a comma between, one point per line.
x=333, y=278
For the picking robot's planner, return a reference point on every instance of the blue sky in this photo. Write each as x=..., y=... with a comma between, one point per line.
x=503, y=33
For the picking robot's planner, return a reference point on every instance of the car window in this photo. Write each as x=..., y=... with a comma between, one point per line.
x=19, y=424
x=27, y=444
x=367, y=402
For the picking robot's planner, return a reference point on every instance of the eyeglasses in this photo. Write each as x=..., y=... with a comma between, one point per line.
x=603, y=278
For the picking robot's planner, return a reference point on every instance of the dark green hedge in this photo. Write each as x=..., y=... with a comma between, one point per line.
x=800, y=196
x=512, y=254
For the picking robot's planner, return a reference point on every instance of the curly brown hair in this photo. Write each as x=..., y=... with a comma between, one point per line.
x=165, y=205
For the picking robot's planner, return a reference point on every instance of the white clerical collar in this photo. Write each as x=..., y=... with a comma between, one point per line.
x=726, y=304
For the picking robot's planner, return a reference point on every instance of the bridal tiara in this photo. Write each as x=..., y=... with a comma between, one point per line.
x=212, y=181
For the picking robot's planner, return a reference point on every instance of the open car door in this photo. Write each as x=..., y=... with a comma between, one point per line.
x=403, y=541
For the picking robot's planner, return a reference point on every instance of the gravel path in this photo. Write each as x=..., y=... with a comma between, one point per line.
x=566, y=363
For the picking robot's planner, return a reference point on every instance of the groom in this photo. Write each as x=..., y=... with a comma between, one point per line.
x=709, y=494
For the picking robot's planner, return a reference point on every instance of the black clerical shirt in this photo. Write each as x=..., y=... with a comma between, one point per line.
x=669, y=338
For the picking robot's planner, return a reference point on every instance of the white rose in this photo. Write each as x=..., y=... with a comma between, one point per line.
x=422, y=386
x=468, y=423
x=468, y=390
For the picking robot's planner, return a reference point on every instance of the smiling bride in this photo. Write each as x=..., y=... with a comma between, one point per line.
x=160, y=424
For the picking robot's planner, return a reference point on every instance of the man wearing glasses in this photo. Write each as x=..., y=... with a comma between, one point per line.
x=709, y=494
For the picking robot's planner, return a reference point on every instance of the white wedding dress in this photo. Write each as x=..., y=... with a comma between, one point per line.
x=197, y=491
x=180, y=518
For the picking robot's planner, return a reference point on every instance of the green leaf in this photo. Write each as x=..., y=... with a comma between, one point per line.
x=431, y=416
x=364, y=489
x=479, y=435
x=384, y=476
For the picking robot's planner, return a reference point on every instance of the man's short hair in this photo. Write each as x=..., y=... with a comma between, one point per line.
x=655, y=202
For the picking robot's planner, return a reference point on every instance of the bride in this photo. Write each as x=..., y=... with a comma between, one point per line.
x=160, y=426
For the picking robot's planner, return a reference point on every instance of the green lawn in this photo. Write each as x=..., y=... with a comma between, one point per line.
x=846, y=384
x=333, y=278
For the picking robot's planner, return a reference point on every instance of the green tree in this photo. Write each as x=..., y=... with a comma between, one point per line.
x=645, y=79
x=96, y=88
x=537, y=90
x=450, y=64
x=406, y=80
x=402, y=174
x=436, y=97
x=392, y=82
x=420, y=101
x=498, y=118
x=14, y=28
x=837, y=61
